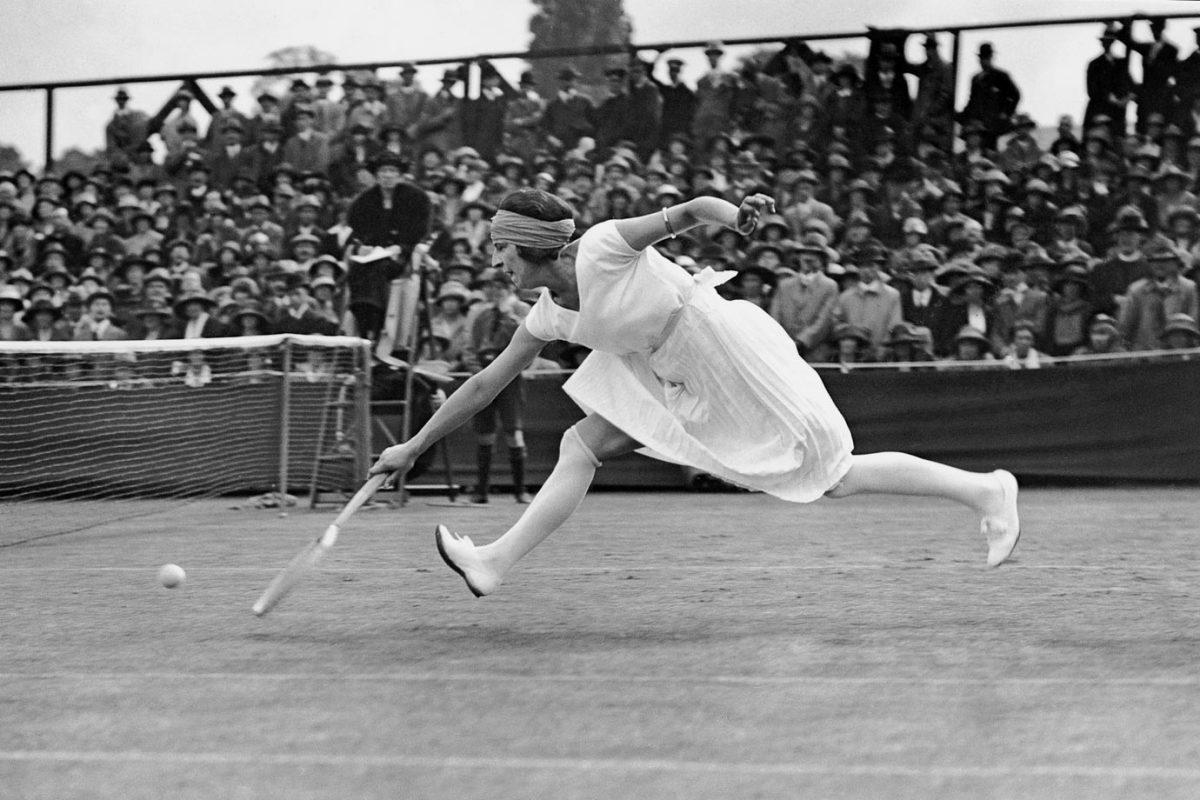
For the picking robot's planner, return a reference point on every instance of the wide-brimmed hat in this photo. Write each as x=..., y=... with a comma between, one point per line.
x=1077, y=274
x=453, y=289
x=100, y=294
x=1103, y=321
x=972, y=275
x=1185, y=212
x=969, y=333
x=329, y=260
x=193, y=297
x=1181, y=322
x=905, y=333
x=12, y=295
x=42, y=306
x=845, y=330
x=1129, y=218
x=250, y=308
x=765, y=275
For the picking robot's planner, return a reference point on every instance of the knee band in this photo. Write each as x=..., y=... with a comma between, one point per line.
x=573, y=443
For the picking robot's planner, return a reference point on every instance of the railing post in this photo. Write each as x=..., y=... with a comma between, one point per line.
x=285, y=412
x=362, y=402
x=49, y=129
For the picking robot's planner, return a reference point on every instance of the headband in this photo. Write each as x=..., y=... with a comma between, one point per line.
x=509, y=227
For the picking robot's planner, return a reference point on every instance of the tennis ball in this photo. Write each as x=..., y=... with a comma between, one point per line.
x=171, y=575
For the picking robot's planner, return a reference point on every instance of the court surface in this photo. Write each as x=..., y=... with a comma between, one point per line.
x=667, y=645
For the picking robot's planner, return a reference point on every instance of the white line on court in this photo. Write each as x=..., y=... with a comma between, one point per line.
x=592, y=678
x=401, y=760
x=602, y=569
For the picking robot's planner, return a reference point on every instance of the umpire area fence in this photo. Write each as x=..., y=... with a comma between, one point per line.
x=471, y=63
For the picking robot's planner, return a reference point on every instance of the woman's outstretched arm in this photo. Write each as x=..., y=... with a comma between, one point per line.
x=641, y=232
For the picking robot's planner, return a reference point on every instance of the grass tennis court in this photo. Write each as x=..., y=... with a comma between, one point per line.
x=660, y=646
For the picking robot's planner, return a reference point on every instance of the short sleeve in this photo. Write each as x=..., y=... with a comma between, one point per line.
x=540, y=321
x=603, y=248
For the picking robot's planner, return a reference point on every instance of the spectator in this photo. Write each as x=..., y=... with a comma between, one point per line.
x=450, y=321
x=805, y=206
x=492, y=327
x=483, y=117
x=854, y=345
x=679, y=104
x=1103, y=337
x=195, y=309
x=1152, y=300
x=1017, y=300
x=969, y=306
x=1123, y=264
x=1187, y=87
x=1181, y=333
x=523, y=118
x=993, y=98
x=125, y=130
x=933, y=109
x=921, y=299
x=1021, y=352
x=308, y=149
x=908, y=344
x=97, y=324
x=871, y=305
x=12, y=304
x=1108, y=87
x=230, y=157
x=716, y=91
x=645, y=109
x=971, y=345
x=406, y=101
x=570, y=115
x=1069, y=312
x=805, y=303
x=1157, y=92
x=152, y=323
x=329, y=116
x=43, y=322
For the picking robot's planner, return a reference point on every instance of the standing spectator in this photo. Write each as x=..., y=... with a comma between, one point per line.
x=1160, y=58
x=267, y=154
x=125, y=130
x=1187, y=87
x=613, y=115
x=483, y=117
x=847, y=104
x=267, y=116
x=329, y=116
x=492, y=328
x=440, y=123
x=804, y=304
x=716, y=92
x=221, y=118
x=180, y=128
x=1154, y=298
x=1108, y=87
x=406, y=101
x=308, y=149
x=993, y=98
x=645, y=109
x=570, y=115
x=523, y=118
x=871, y=305
x=230, y=157
x=392, y=214
x=934, y=107
x=679, y=103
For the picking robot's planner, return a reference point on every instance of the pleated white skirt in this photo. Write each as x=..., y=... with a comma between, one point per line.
x=725, y=393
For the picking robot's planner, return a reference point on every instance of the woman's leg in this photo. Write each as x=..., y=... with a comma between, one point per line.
x=992, y=495
x=584, y=446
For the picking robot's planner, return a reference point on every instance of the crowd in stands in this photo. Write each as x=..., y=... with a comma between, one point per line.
x=906, y=230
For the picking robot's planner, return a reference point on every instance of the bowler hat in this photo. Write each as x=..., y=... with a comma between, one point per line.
x=986, y=49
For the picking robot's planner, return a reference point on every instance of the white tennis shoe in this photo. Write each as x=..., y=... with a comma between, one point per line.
x=460, y=555
x=1002, y=528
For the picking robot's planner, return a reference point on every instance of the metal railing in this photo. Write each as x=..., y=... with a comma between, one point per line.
x=49, y=87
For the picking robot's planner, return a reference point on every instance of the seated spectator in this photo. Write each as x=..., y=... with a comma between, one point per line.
x=1021, y=352
x=908, y=343
x=754, y=284
x=971, y=345
x=43, y=322
x=804, y=304
x=12, y=304
x=97, y=323
x=854, y=345
x=1065, y=329
x=154, y=322
x=194, y=309
x=1151, y=301
x=1181, y=333
x=871, y=305
x=969, y=304
x=1103, y=338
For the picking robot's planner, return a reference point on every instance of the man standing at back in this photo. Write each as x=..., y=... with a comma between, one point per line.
x=993, y=99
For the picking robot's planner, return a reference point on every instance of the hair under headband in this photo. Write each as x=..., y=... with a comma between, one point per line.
x=509, y=227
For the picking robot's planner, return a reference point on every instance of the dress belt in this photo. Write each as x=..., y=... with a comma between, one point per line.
x=707, y=278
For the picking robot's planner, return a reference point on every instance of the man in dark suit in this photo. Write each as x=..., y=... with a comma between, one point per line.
x=231, y=157
x=645, y=109
x=1160, y=58
x=570, y=115
x=1108, y=86
x=679, y=103
x=483, y=117
x=126, y=130
x=993, y=99
x=921, y=299
x=1187, y=85
x=613, y=115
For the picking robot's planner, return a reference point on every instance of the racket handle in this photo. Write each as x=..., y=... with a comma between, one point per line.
x=361, y=496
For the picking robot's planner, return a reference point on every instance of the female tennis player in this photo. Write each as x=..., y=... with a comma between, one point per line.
x=676, y=372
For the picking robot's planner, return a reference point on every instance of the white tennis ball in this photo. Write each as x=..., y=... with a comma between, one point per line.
x=171, y=575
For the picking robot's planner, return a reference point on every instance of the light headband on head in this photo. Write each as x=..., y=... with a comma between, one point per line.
x=509, y=227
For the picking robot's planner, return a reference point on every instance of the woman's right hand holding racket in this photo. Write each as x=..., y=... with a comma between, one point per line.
x=397, y=458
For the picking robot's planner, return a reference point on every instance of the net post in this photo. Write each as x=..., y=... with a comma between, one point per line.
x=285, y=409
x=362, y=402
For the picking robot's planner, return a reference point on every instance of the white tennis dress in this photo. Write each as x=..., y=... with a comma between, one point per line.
x=696, y=379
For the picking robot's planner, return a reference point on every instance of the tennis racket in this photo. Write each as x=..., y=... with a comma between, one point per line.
x=307, y=558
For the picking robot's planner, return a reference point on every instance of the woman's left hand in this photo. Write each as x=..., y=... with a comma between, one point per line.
x=749, y=211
